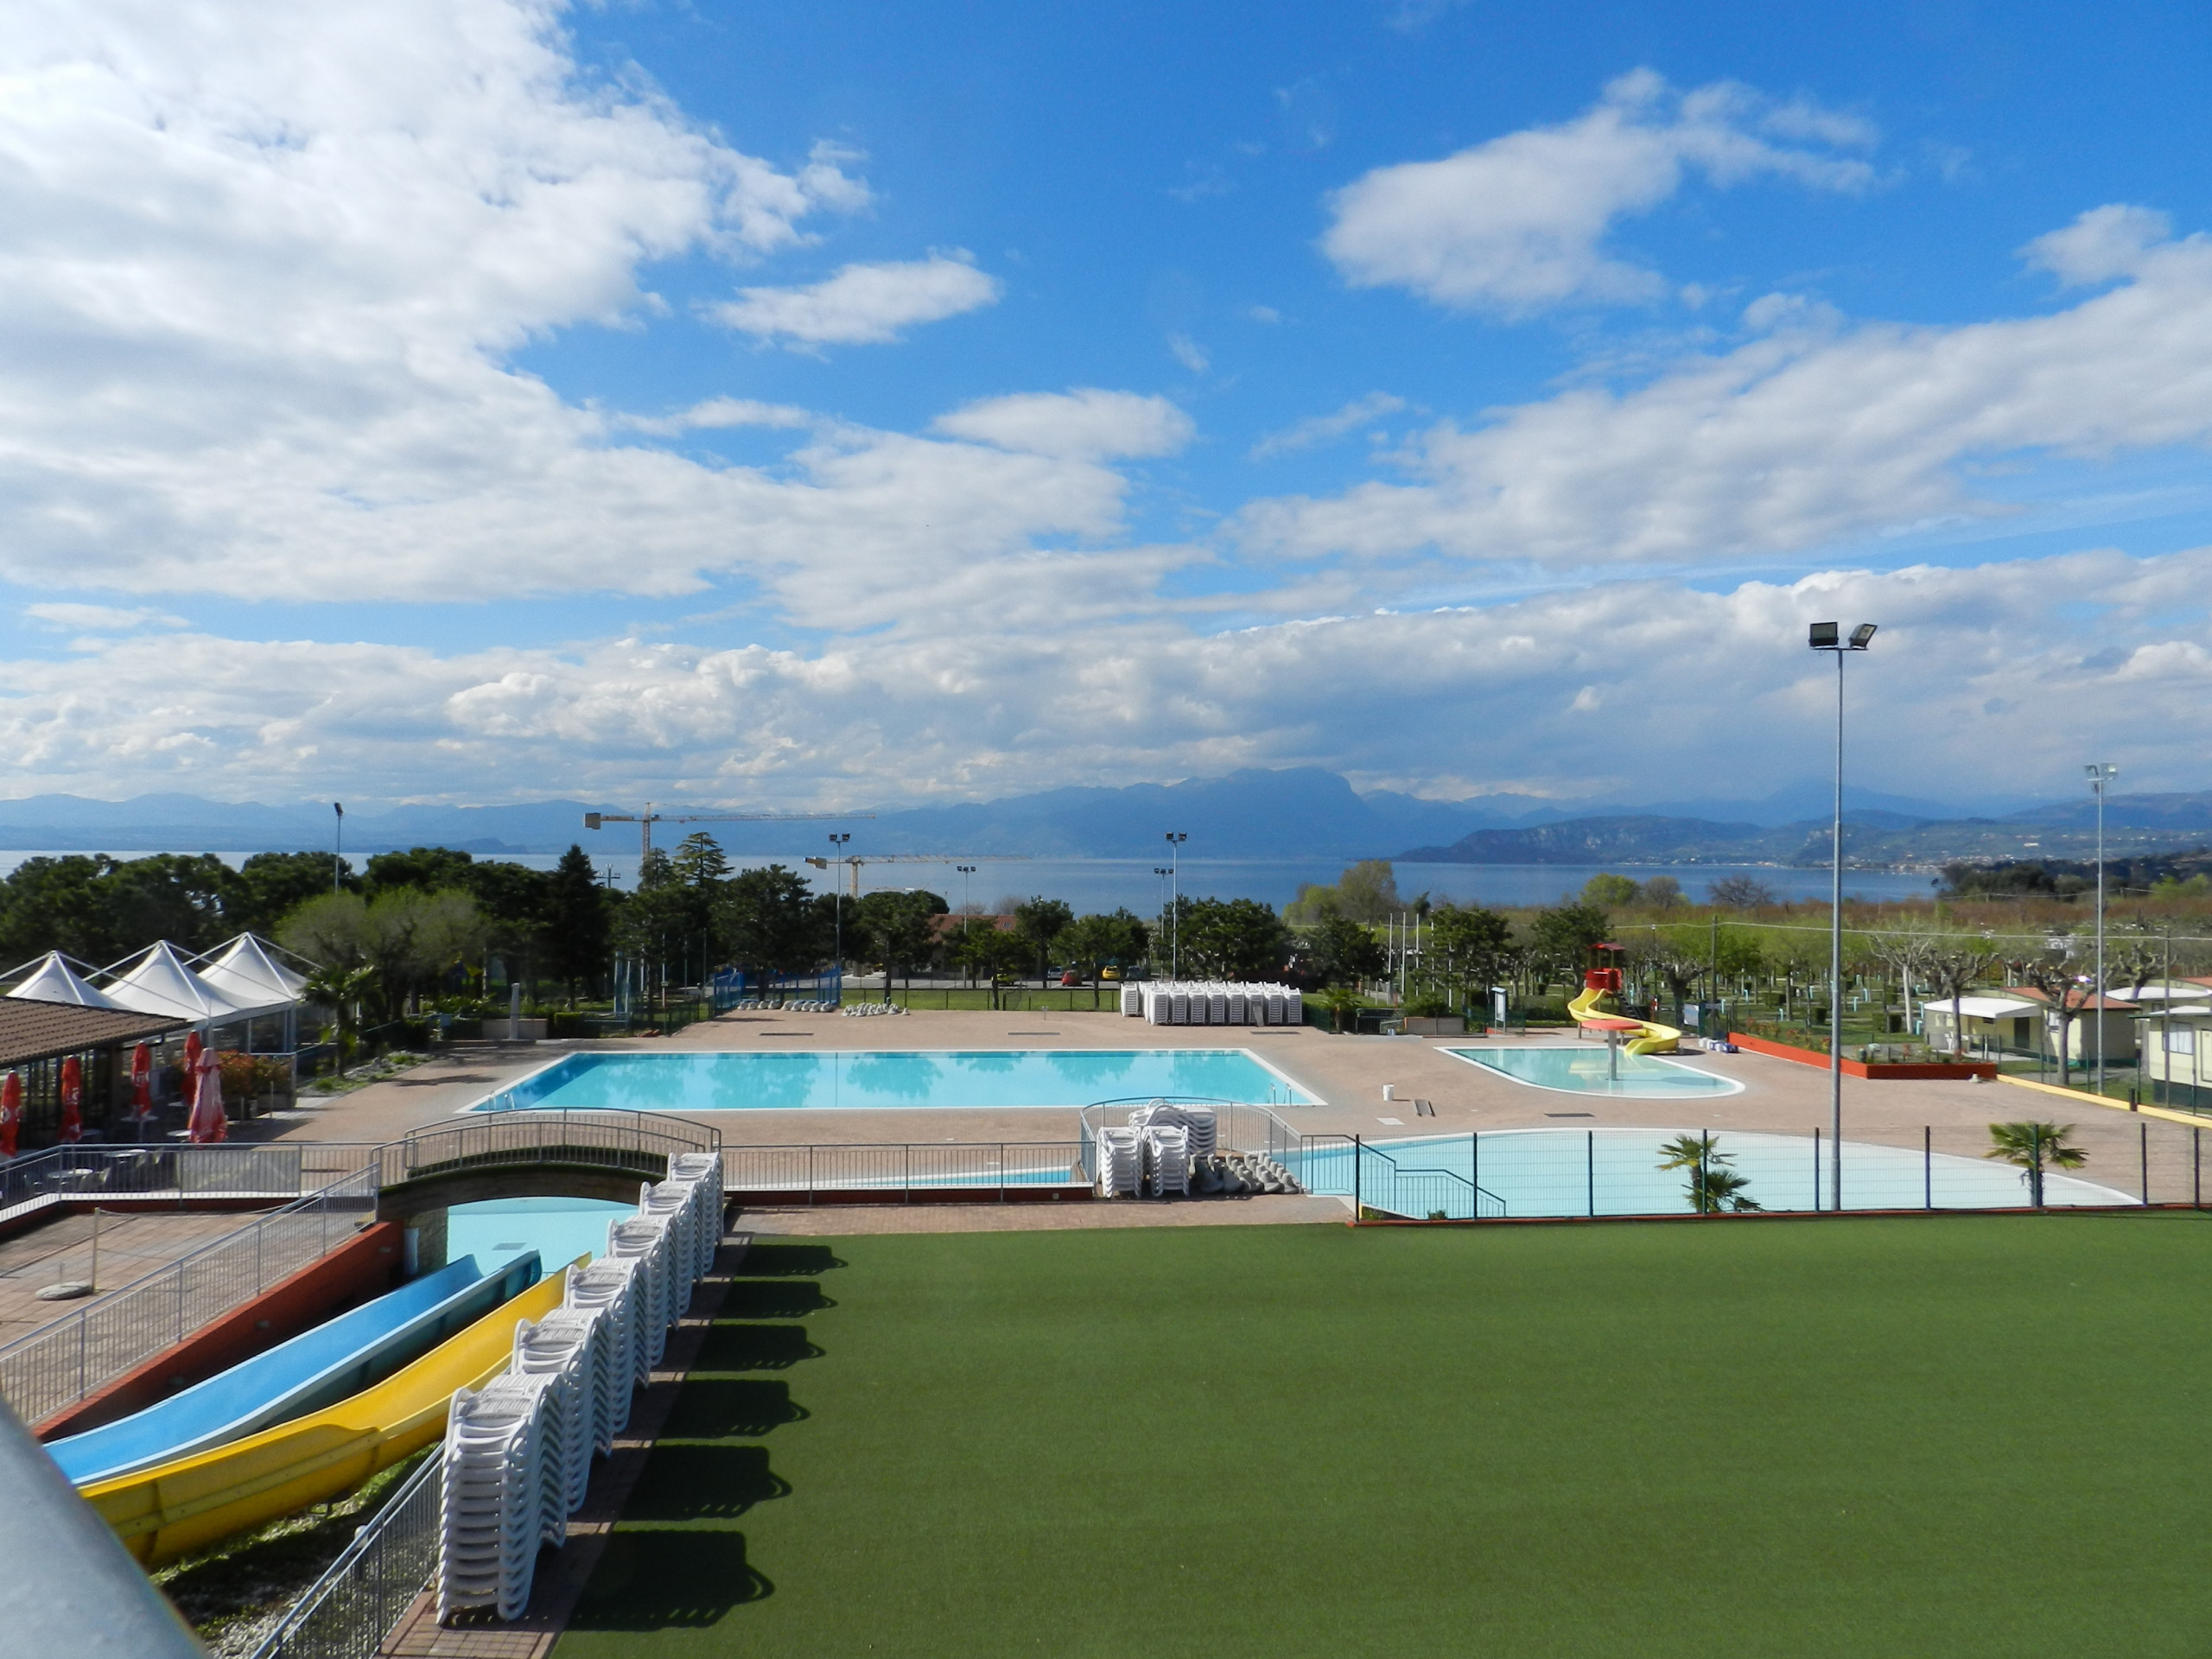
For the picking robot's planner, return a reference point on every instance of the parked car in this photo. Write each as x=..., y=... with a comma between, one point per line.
x=1070, y=977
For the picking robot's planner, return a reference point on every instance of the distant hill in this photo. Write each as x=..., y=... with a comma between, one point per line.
x=1294, y=812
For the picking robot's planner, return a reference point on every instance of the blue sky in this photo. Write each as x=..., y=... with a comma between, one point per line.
x=822, y=406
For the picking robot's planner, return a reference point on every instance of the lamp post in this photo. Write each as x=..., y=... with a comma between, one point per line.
x=338, y=850
x=1175, y=840
x=837, y=911
x=1826, y=635
x=1161, y=871
x=2100, y=778
x=966, y=870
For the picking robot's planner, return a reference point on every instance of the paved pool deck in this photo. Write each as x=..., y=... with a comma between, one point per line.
x=1347, y=1073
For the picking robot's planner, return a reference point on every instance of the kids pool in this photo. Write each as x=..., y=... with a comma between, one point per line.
x=1586, y=1069
x=891, y=1081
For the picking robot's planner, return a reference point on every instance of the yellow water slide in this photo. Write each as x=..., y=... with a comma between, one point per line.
x=1650, y=1038
x=176, y=1508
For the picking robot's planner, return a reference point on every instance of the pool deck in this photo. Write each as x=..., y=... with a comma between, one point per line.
x=1347, y=1073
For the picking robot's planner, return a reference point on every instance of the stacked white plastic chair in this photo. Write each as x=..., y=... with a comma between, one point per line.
x=1120, y=1162
x=1211, y=1002
x=491, y=1519
x=610, y=1287
x=1167, y=1160
x=645, y=1240
x=561, y=1345
x=1132, y=1001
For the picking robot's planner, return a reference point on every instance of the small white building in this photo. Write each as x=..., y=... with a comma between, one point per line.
x=2019, y=1020
x=2176, y=1047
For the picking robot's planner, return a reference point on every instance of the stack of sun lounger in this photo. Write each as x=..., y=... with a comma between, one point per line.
x=1212, y=1003
x=1120, y=1162
x=518, y=1454
x=1167, y=1160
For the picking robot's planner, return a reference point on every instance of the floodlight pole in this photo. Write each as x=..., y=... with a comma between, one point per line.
x=1175, y=840
x=1825, y=636
x=837, y=910
x=2100, y=778
x=337, y=851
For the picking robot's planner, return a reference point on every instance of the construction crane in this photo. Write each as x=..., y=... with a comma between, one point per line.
x=646, y=819
x=854, y=861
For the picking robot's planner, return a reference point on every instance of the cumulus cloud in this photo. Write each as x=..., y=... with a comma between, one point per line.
x=1518, y=224
x=100, y=619
x=1797, y=438
x=720, y=413
x=1321, y=429
x=1084, y=422
x=2102, y=243
x=1617, y=687
x=862, y=305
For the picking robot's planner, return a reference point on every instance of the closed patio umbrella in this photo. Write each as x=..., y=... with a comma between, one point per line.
x=207, y=1124
x=72, y=1102
x=192, y=1046
x=142, y=1083
x=12, y=1112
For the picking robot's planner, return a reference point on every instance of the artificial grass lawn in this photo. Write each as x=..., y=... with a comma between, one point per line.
x=1972, y=1435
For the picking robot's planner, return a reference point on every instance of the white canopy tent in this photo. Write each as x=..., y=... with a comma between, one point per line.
x=159, y=983
x=247, y=972
x=52, y=980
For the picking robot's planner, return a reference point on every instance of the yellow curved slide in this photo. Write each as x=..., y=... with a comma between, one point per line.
x=1650, y=1038
x=173, y=1509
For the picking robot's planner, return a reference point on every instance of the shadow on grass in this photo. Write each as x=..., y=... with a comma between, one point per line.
x=771, y=1299
x=787, y=1260
x=656, y=1578
x=702, y=1482
x=723, y=1407
x=754, y=1348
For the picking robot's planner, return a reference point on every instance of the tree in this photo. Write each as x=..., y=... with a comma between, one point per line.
x=1661, y=892
x=1041, y=920
x=1093, y=942
x=271, y=886
x=1952, y=968
x=1366, y=892
x=1233, y=938
x=2052, y=978
x=898, y=929
x=1741, y=893
x=1679, y=959
x=54, y=904
x=1340, y=951
x=513, y=900
x=2034, y=1146
x=426, y=870
x=1560, y=938
x=1467, y=950
x=1713, y=1185
x=771, y=922
x=578, y=930
x=699, y=862
x=1605, y=891
x=340, y=990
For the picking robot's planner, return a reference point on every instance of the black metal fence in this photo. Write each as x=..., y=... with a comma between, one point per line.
x=352, y=1608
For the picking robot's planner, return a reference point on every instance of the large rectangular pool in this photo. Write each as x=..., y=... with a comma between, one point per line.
x=898, y=1081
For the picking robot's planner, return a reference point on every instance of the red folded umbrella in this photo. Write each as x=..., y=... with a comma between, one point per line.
x=12, y=1112
x=207, y=1123
x=191, y=1047
x=73, y=1101
x=142, y=1083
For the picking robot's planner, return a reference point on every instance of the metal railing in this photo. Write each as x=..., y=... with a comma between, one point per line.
x=901, y=1168
x=62, y=1175
x=1340, y=1166
x=1239, y=1126
x=50, y=1370
x=349, y=1611
x=617, y=1140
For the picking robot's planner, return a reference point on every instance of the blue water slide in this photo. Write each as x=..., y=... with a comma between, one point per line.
x=317, y=1369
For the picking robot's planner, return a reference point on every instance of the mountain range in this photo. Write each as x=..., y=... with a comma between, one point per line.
x=1303, y=812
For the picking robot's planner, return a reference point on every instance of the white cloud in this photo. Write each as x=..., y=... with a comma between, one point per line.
x=100, y=619
x=718, y=413
x=1187, y=351
x=1795, y=441
x=2102, y=243
x=863, y=305
x=1517, y=224
x=1320, y=428
x=1066, y=673
x=1084, y=422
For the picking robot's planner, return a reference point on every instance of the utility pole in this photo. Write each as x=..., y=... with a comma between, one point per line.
x=1175, y=840
x=338, y=852
x=2100, y=778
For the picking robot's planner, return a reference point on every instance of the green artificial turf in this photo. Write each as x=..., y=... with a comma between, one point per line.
x=1956, y=1436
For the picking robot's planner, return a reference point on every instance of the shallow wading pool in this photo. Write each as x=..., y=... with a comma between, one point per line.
x=907, y=1080
x=1588, y=1069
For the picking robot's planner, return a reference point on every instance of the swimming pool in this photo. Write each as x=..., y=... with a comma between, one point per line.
x=1616, y=1173
x=1587, y=1069
x=495, y=1231
x=891, y=1081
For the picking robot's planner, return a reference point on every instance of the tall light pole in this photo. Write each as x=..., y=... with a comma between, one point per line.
x=2100, y=778
x=1825, y=636
x=837, y=910
x=1175, y=840
x=338, y=850
x=1161, y=871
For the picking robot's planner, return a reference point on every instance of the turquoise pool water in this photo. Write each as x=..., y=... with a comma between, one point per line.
x=1616, y=1173
x=898, y=1081
x=559, y=1229
x=1586, y=1069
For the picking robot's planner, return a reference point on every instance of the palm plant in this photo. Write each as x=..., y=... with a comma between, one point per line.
x=2033, y=1146
x=1713, y=1185
x=340, y=990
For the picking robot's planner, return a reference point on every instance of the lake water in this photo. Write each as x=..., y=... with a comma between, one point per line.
x=1104, y=884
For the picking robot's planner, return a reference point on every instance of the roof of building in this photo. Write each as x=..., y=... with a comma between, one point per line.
x=1981, y=1007
x=39, y=1031
x=2083, y=1001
